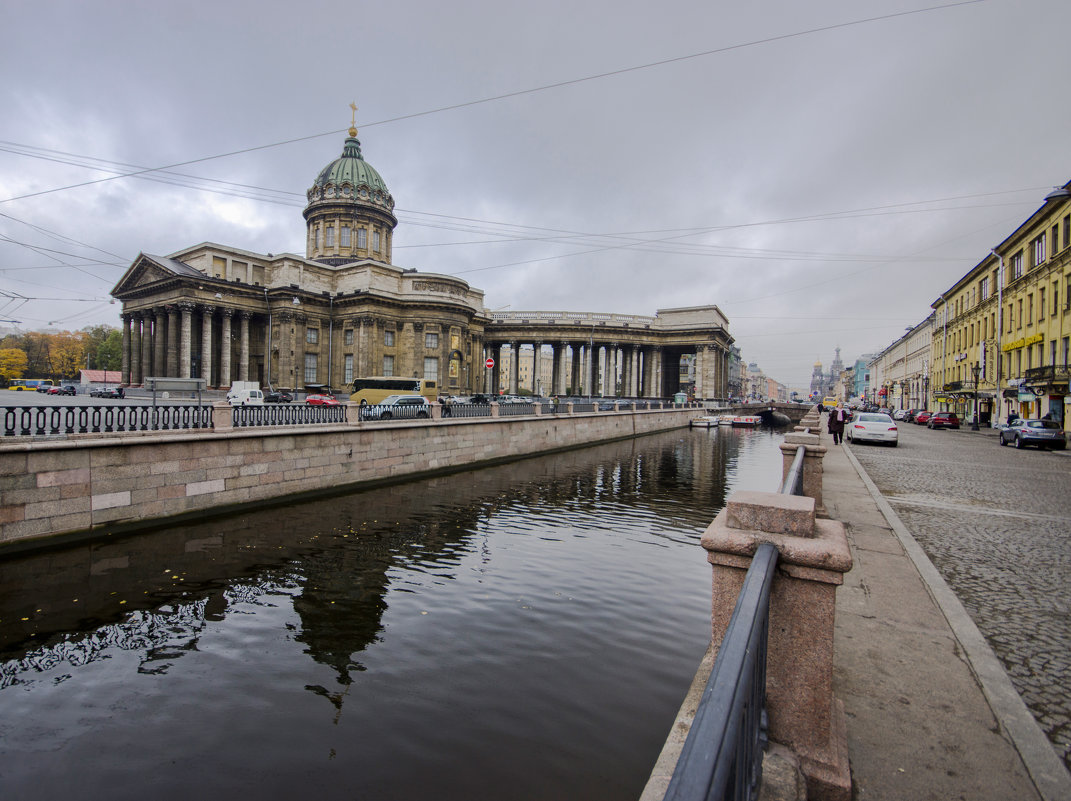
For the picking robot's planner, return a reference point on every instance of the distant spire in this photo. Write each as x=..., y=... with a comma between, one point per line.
x=353, y=120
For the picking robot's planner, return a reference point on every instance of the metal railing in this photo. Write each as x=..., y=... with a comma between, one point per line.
x=286, y=414
x=515, y=409
x=722, y=755
x=467, y=410
x=54, y=421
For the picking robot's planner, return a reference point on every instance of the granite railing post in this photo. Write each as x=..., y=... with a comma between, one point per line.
x=812, y=465
x=814, y=555
x=222, y=415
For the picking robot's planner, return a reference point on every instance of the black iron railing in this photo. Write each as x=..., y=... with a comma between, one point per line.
x=722, y=755
x=286, y=414
x=46, y=421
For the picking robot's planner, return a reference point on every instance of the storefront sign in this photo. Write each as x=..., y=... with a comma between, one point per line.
x=1022, y=343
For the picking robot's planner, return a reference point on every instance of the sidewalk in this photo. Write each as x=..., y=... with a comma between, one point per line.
x=931, y=713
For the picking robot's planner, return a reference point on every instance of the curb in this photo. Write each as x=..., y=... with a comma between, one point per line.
x=1045, y=768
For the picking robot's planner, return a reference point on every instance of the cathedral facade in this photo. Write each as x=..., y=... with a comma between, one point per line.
x=344, y=311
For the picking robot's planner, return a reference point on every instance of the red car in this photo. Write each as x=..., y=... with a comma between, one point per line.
x=321, y=400
x=922, y=418
x=943, y=420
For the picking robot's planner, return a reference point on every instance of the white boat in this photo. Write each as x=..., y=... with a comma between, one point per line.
x=747, y=420
x=707, y=421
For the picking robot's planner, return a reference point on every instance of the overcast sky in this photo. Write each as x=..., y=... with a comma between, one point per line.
x=819, y=170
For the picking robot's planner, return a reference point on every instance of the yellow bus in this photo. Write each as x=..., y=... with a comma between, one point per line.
x=27, y=384
x=374, y=389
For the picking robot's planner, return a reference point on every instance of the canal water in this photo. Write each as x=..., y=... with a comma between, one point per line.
x=520, y=632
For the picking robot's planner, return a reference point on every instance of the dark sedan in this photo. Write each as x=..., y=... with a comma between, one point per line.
x=1043, y=433
x=277, y=396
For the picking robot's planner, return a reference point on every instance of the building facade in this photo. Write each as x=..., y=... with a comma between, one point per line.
x=344, y=311
x=1002, y=340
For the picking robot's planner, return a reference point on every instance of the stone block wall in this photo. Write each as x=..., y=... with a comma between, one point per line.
x=128, y=481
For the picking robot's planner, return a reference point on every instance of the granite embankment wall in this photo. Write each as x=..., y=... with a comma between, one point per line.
x=93, y=486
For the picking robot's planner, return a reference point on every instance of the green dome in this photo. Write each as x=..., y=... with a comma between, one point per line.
x=351, y=178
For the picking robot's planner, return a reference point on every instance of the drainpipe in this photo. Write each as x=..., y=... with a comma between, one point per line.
x=1000, y=330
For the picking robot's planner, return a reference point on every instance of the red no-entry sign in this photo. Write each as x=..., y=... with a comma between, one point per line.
x=489, y=363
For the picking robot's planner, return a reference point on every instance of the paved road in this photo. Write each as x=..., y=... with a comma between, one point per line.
x=997, y=523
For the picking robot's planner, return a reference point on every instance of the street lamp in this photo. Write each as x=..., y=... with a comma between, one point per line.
x=975, y=371
x=903, y=388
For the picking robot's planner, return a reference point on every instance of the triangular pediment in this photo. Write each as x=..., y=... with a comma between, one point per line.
x=149, y=271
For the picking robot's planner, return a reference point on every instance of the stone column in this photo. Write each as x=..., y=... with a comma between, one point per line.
x=135, y=352
x=159, y=338
x=186, y=340
x=537, y=367
x=243, y=328
x=515, y=367
x=146, y=345
x=574, y=369
x=207, y=312
x=172, y=342
x=814, y=556
x=611, y=368
x=634, y=383
x=698, y=366
x=225, y=347
x=593, y=369
x=125, y=368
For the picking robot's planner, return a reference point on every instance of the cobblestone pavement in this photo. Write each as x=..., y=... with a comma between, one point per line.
x=996, y=522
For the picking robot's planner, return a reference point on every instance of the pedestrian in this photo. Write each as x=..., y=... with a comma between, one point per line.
x=837, y=418
x=445, y=404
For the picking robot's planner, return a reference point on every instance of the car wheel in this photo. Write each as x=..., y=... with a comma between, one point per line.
x=1018, y=442
x=1001, y=440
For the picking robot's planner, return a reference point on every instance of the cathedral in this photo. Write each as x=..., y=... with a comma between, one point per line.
x=823, y=384
x=344, y=311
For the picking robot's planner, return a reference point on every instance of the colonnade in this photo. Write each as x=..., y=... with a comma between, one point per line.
x=160, y=342
x=612, y=369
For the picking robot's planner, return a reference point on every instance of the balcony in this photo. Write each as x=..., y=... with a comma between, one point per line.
x=1046, y=376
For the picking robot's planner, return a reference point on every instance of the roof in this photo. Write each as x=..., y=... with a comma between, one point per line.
x=351, y=178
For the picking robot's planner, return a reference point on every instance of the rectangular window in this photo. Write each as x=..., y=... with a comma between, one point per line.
x=1055, y=297
x=1055, y=234
x=1020, y=315
x=1052, y=352
x=1038, y=246
x=1041, y=354
x=347, y=336
x=344, y=236
x=1017, y=265
x=375, y=241
x=388, y=341
x=310, y=368
x=983, y=289
x=1030, y=309
x=1041, y=303
x=316, y=239
x=431, y=368
x=312, y=335
x=1067, y=230
x=362, y=238
x=347, y=368
x=1018, y=362
x=1067, y=349
x=431, y=341
x=388, y=365
x=329, y=237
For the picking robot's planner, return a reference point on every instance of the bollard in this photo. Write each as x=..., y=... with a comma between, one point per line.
x=814, y=555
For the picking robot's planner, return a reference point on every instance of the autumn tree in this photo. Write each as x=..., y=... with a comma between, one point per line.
x=12, y=363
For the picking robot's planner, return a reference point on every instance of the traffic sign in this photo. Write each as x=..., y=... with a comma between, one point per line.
x=489, y=363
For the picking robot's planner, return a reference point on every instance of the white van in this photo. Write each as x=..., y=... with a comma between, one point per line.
x=245, y=393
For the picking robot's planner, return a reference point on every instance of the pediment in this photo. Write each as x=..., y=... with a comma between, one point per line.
x=149, y=271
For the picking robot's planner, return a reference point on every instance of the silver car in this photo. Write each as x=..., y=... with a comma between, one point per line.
x=1043, y=433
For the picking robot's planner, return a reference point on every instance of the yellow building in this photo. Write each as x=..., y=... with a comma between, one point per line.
x=1002, y=334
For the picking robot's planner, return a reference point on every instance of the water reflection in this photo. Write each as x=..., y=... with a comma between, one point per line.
x=551, y=610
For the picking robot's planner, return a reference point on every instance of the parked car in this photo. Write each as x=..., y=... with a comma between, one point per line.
x=64, y=390
x=105, y=392
x=277, y=396
x=943, y=420
x=922, y=418
x=899, y=414
x=44, y=386
x=400, y=406
x=321, y=400
x=1043, y=433
x=872, y=427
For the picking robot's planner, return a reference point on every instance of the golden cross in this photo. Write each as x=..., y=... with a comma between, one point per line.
x=353, y=119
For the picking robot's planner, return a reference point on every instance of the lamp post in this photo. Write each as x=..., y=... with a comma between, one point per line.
x=903, y=388
x=975, y=371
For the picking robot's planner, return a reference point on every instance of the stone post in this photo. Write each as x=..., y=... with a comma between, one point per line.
x=812, y=466
x=125, y=364
x=222, y=415
x=814, y=555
